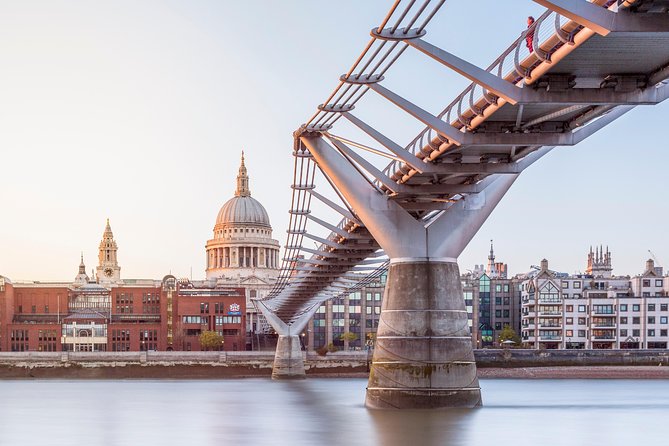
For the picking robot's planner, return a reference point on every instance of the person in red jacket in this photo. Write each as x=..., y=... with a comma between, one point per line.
x=530, y=34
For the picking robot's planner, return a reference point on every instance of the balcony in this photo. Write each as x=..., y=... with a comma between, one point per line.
x=603, y=338
x=600, y=314
x=551, y=326
x=604, y=325
x=550, y=338
x=551, y=313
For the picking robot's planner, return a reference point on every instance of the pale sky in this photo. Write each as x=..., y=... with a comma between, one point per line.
x=137, y=111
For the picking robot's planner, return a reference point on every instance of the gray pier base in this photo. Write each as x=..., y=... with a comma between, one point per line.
x=288, y=360
x=423, y=356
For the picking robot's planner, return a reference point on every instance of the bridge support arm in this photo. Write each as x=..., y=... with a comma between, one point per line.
x=288, y=358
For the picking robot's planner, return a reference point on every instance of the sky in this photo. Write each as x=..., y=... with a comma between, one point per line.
x=138, y=112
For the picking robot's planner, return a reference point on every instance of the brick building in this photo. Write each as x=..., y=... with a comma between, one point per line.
x=110, y=314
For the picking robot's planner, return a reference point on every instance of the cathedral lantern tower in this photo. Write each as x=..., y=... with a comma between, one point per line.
x=108, y=272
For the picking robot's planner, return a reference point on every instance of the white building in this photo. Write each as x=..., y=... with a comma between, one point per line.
x=595, y=310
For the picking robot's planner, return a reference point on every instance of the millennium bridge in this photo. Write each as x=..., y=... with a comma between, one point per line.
x=577, y=68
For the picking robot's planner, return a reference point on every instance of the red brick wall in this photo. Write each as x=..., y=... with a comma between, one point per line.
x=191, y=306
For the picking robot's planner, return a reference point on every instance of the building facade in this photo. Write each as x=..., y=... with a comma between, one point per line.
x=113, y=314
x=595, y=310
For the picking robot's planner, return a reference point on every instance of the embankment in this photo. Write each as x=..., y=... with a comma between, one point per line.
x=506, y=363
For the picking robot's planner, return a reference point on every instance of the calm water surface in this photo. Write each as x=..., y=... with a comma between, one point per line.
x=326, y=411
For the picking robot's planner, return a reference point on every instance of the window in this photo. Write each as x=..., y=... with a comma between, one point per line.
x=204, y=307
x=570, y=308
x=663, y=319
x=581, y=333
x=570, y=321
x=623, y=307
x=651, y=332
x=651, y=319
x=636, y=320
x=658, y=282
x=581, y=308
x=646, y=283
x=636, y=332
x=602, y=309
x=623, y=320
x=498, y=313
x=651, y=307
x=565, y=284
x=220, y=320
x=623, y=332
x=581, y=321
x=664, y=307
x=506, y=313
x=506, y=301
x=498, y=325
x=569, y=333
x=549, y=293
x=498, y=301
x=577, y=284
x=506, y=288
x=663, y=333
x=636, y=307
x=498, y=288
x=565, y=295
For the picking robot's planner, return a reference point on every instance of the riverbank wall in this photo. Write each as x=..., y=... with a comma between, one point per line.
x=210, y=365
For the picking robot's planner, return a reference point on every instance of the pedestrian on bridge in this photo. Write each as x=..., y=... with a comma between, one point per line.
x=529, y=37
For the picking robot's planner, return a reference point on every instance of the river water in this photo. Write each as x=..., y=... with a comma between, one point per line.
x=326, y=411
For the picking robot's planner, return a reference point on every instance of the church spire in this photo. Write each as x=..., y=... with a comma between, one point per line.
x=108, y=269
x=82, y=267
x=242, y=181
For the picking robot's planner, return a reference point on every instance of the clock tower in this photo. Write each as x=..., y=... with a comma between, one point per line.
x=108, y=272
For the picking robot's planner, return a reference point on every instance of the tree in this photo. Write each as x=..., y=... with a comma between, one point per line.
x=348, y=337
x=210, y=340
x=508, y=334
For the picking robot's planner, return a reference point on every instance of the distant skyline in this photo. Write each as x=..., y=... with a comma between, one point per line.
x=138, y=112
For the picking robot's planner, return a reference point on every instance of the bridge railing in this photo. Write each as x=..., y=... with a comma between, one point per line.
x=548, y=33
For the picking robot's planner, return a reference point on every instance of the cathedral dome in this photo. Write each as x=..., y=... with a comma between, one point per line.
x=242, y=210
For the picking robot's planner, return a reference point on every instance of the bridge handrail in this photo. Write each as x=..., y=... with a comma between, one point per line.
x=562, y=32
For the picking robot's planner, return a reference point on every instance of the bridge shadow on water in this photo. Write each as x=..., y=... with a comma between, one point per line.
x=349, y=422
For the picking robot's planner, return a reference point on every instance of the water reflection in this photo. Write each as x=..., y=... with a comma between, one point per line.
x=324, y=411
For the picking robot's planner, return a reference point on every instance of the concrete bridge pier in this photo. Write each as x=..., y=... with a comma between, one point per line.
x=288, y=359
x=423, y=355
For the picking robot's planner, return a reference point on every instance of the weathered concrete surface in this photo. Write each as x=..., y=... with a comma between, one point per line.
x=288, y=359
x=423, y=354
